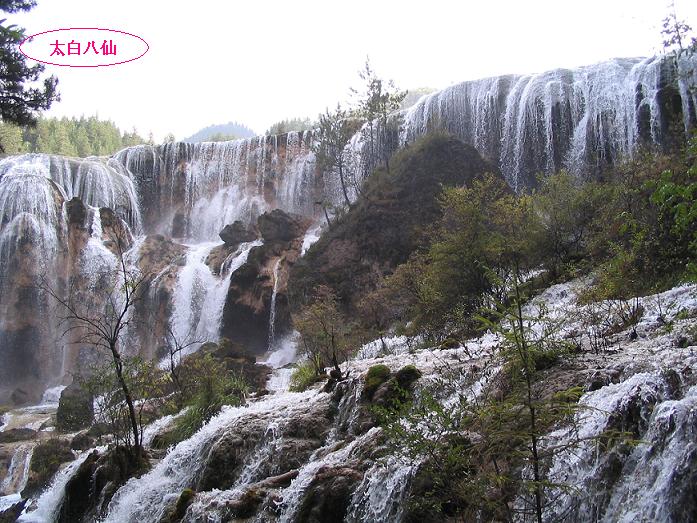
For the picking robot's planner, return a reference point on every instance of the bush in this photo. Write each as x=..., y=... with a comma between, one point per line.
x=304, y=376
x=210, y=386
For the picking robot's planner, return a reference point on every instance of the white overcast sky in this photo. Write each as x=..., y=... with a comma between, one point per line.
x=259, y=61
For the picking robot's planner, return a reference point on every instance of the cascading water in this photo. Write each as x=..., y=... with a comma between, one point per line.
x=18, y=473
x=213, y=184
x=49, y=502
x=575, y=119
x=199, y=295
x=272, y=309
x=579, y=119
x=146, y=498
x=34, y=249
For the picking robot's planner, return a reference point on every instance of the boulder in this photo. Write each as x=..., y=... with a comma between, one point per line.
x=95, y=482
x=46, y=459
x=278, y=225
x=237, y=232
x=76, y=212
x=82, y=441
x=328, y=497
x=75, y=409
x=179, y=225
x=114, y=230
x=11, y=514
x=247, y=306
x=176, y=513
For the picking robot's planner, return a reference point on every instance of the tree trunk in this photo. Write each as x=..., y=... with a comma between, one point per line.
x=530, y=406
x=129, y=400
x=343, y=185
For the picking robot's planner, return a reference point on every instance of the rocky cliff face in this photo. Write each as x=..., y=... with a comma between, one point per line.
x=256, y=311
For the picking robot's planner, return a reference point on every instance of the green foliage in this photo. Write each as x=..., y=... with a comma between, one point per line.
x=676, y=33
x=377, y=101
x=206, y=385
x=304, y=376
x=290, y=125
x=221, y=137
x=407, y=375
x=335, y=130
x=325, y=333
x=146, y=384
x=376, y=376
x=391, y=219
x=485, y=233
x=11, y=139
x=650, y=234
x=568, y=209
x=23, y=92
x=473, y=450
x=229, y=129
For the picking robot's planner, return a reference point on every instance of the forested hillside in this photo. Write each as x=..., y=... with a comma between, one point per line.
x=79, y=137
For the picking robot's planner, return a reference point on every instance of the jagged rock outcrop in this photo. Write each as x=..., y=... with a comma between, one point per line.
x=159, y=260
x=232, y=235
x=247, y=310
x=237, y=232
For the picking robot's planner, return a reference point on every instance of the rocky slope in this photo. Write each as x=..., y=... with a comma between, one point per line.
x=319, y=456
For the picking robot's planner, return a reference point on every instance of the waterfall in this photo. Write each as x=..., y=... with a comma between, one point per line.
x=380, y=497
x=199, y=296
x=272, y=311
x=323, y=457
x=215, y=183
x=575, y=119
x=147, y=497
x=49, y=502
x=651, y=484
x=18, y=473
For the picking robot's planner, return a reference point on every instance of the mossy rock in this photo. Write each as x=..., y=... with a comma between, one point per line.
x=176, y=514
x=407, y=375
x=544, y=359
x=376, y=376
x=17, y=434
x=46, y=459
x=75, y=409
x=449, y=343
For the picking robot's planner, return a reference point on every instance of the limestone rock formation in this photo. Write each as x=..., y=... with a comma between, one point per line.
x=248, y=306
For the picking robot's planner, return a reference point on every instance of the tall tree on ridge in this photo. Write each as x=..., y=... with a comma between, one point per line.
x=20, y=96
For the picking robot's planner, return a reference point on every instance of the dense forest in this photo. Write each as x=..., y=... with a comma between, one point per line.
x=79, y=137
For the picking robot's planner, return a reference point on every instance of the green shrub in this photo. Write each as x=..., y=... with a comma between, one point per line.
x=304, y=376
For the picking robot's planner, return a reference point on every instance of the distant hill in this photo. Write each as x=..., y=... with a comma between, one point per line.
x=230, y=129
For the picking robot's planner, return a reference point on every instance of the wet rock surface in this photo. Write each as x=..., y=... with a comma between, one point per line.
x=247, y=309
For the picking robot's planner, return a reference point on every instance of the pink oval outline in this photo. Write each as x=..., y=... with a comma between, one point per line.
x=83, y=28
